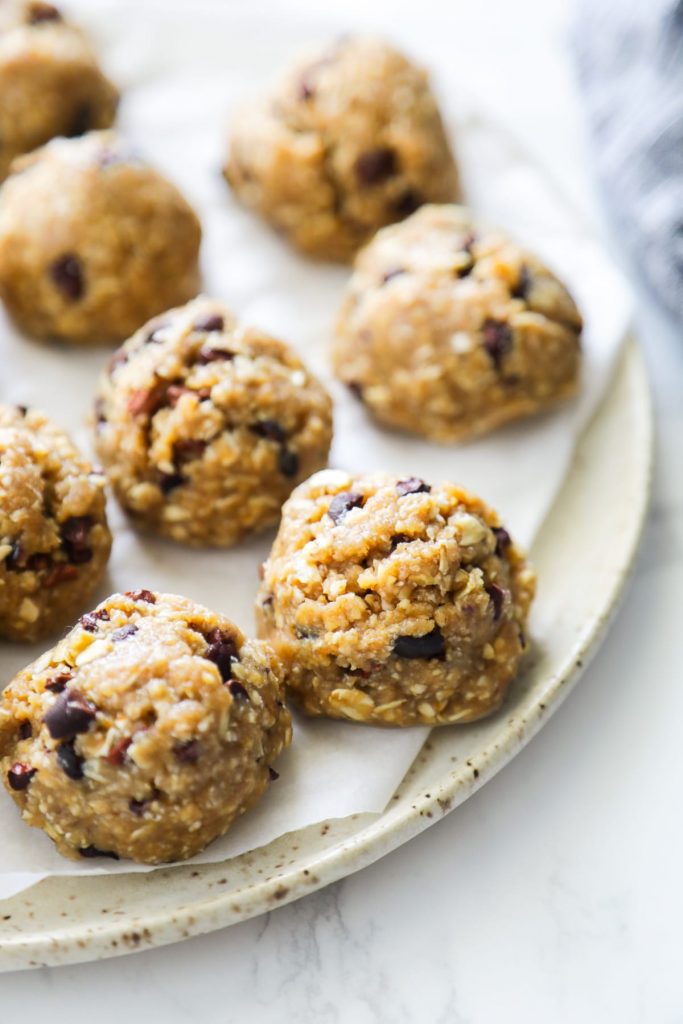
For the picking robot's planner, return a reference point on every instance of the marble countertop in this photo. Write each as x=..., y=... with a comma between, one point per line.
x=553, y=894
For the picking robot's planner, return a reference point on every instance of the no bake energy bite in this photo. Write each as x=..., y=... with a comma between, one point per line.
x=394, y=601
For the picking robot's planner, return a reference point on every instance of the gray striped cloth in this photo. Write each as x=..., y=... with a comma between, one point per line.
x=630, y=61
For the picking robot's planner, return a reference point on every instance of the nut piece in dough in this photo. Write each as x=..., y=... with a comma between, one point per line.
x=449, y=329
x=205, y=425
x=93, y=242
x=145, y=732
x=351, y=139
x=54, y=538
x=394, y=602
x=50, y=83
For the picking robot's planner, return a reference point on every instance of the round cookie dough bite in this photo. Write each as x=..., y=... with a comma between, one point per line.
x=50, y=82
x=349, y=140
x=145, y=732
x=205, y=425
x=93, y=241
x=393, y=602
x=449, y=329
x=54, y=538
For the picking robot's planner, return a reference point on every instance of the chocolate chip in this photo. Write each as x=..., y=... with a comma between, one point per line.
x=15, y=560
x=57, y=682
x=497, y=595
x=40, y=12
x=138, y=807
x=503, y=540
x=81, y=121
x=222, y=651
x=90, y=621
x=169, y=481
x=208, y=323
x=25, y=730
x=399, y=538
x=61, y=572
x=141, y=595
x=407, y=203
x=92, y=851
x=288, y=462
x=431, y=645
x=521, y=288
x=413, y=485
x=376, y=165
x=497, y=340
x=391, y=274
x=19, y=776
x=67, y=274
x=147, y=401
x=187, y=753
x=273, y=775
x=118, y=750
x=39, y=562
x=123, y=632
x=70, y=715
x=213, y=355
x=70, y=762
x=269, y=429
x=237, y=690
x=188, y=449
x=74, y=533
x=343, y=503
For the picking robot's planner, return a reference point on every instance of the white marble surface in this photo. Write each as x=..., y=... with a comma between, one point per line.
x=555, y=893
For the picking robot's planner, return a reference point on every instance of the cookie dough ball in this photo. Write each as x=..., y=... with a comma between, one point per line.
x=205, y=425
x=93, y=242
x=145, y=732
x=54, y=538
x=394, y=602
x=351, y=139
x=449, y=329
x=50, y=83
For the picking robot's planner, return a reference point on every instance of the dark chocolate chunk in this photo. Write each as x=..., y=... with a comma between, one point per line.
x=92, y=851
x=38, y=13
x=187, y=753
x=222, y=651
x=207, y=354
x=288, y=462
x=118, y=750
x=343, y=503
x=503, y=540
x=141, y=595
x=67, y=274
x=497, y=340
x=269, y=429
x=273, y=775
x=138, y=807
x=521, y=288
x=237, y=690
x=430, y=645
x=90, y=620
x=497, y=595
x=70, y=762
x=25, y=730
x=58, y=681
x=208, y=323
x=376, y=165
x=169, y=481
x=399, y=538
x=71, y=714
x=413, y=485
x=123, y=632
x=407, y=203
x=74, y=533
x=188, y=449
x=19, y=776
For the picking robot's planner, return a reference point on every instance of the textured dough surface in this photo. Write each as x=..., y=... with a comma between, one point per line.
x=205, y=425
x=449, y=329
x=54, y=538
x=50, y=83
x=145, y=732
x=394, y=602
x=93, y=242
x=349, y=140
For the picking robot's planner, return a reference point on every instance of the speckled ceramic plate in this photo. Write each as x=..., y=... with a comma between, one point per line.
x=583, y=555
